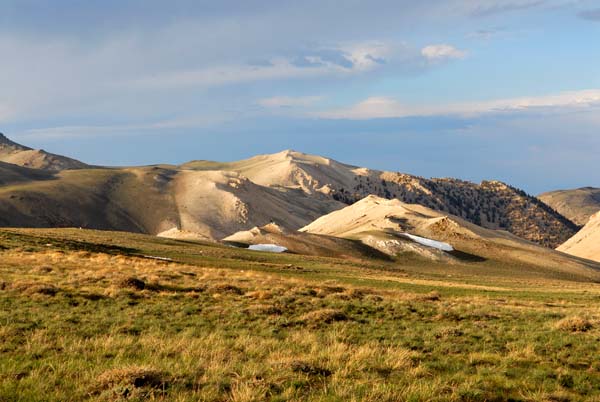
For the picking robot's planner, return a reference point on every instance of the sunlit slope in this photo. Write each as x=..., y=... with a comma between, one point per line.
x=381, y=223
x=156, y=200
x=586, y=243
x=490, y=204
x=305, y=243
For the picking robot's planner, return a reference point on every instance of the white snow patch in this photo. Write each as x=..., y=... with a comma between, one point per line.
x=430, y=243
x=153, y=257
x=272, y=248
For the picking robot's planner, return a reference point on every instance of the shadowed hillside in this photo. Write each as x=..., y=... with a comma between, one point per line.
x=10, y=174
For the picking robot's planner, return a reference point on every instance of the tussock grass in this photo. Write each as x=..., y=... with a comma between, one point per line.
x=130, y=383
x=32, y=288
x=132, y=283
x=574, y=324
x=323, y=316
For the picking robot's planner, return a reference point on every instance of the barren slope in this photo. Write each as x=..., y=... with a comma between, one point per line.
x=156, y=200
x=381, y=223
x=586, y=243
x=304, y=243
x=491, y=204
x=217, y=204
x=577, y=205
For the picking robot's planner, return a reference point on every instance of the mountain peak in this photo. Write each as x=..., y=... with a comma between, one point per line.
x=4, y=139
x=6, y=142
x=288, y=154
x=17, y=154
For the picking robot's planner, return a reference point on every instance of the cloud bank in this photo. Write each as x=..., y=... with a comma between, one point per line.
x=386, y=107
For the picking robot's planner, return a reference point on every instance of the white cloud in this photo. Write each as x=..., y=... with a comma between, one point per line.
x=62, y=77
x=360, y=58
x=55, y=70
x=371, y=108
x=231, y=74
x=387, y=107
x=442, y=52
x=289, y=101
x=368, y=55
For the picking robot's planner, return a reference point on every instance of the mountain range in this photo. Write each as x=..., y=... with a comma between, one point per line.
x=268, y=196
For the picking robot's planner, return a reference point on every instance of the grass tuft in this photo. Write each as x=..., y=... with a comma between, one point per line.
x=431, y=296
x=309, y=369
x=324, y=316
x=574, y=324
x=132, y=283
x=226, y=288
x=132, y=382
x=30, y=288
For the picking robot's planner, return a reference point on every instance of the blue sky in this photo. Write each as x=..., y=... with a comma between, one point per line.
x=475, y=89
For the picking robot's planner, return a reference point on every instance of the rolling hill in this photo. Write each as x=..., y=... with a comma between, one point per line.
x=304, y=243
x=578, y=205
x=586, y=243
x=209, y=205
x=391, y=225
x=490, y=204
x=213, y=200
x=10, y=174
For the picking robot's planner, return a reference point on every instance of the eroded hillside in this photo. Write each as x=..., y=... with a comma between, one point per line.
x=491, y=204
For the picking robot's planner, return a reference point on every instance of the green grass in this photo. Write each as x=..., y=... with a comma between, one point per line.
x=83, y=316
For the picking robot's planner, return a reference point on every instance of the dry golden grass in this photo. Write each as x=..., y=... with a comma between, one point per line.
x=130, y=383
x=197, y=331
x=323, y=316
x=574, y=324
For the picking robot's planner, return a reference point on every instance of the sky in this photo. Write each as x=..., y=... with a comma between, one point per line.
x=473, y=89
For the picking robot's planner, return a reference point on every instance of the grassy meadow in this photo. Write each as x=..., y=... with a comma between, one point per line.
x=91, y=315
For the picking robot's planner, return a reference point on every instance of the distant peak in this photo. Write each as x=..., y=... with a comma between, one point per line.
x=4, y=140
x=291, y=155
x=288, y=153
x=375, y=199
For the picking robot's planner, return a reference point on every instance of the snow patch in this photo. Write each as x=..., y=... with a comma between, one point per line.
x=271, y=248
x=430, y=243
x=154, y=257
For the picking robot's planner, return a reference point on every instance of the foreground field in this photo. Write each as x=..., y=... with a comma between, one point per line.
x=88, y=315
